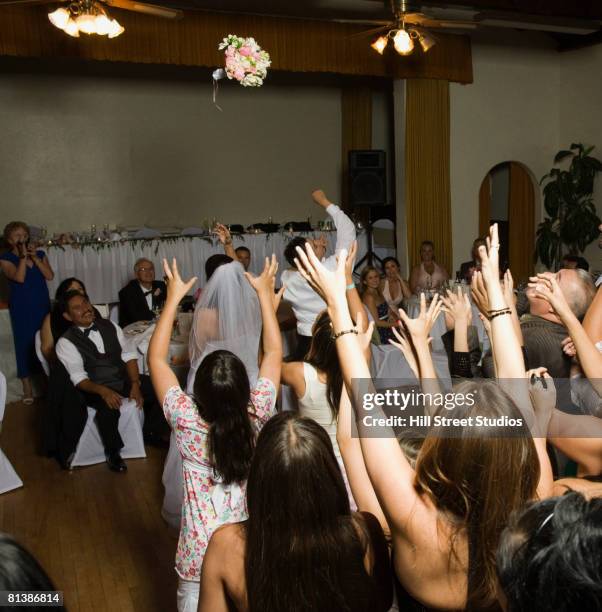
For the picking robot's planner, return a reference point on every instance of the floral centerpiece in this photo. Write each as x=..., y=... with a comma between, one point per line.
x=246, y=61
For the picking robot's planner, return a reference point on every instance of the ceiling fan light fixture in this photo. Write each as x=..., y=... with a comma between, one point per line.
x=59, y=18
x=426, y=41
x=86, y=23
x=116, y=29
x=380, y=44
x=403, y=43
x=71, y=28
x=103, y=25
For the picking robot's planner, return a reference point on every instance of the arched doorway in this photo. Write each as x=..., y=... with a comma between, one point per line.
x=507, y=197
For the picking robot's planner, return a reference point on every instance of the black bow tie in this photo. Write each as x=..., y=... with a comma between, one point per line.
x=90, y=329
x=147, y=292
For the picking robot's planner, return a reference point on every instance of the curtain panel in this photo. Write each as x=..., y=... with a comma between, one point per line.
x=427, y=174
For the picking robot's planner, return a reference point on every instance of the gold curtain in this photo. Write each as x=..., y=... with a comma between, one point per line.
x=356, y=129
x=521, y=221
x=295, y=45
x=427, y=179
x=485, y=206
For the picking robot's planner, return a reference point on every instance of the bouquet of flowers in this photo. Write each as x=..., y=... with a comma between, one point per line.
x=245, y=60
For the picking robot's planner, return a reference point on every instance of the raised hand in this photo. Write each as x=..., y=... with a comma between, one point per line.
x=420, y=327
x=319, y=197
x=404, y=344
x=265, y=282
x=457, y=306
x=223, y=233
x=547, y=288
x=330, y=285
x=490, y=256
x=479, y=293
x=508, y=287
x=176, y=287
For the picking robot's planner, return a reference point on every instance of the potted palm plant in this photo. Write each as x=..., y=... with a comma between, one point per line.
x=571, y=222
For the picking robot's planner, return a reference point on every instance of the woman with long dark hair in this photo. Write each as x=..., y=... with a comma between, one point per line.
x=301, y=547
x=447, y=514
x=375, y=302
x=317, y=381
x=55, y=324
x=215, y=429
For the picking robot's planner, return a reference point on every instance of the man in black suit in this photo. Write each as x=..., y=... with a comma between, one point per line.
x=138, y=298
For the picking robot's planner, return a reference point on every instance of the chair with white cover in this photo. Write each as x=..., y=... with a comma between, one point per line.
x=8, y=477
x=103, y=310
x=114, y=313
x=40, y=355
x=90, y=449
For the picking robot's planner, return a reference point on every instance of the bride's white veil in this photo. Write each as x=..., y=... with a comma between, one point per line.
x=227, y=316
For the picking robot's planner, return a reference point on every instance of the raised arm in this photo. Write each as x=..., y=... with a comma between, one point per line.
x=15, y=273
x=590, y=358
x=223, y=233
x=344, y=225
x=162, y=375
x=592, y=323
x=389, y=471
x=351, y=452
x=271, y=339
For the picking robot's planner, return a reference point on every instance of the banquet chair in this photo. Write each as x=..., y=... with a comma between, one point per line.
x=40, y=355
x=90, y=449
x=114, y=313
x=103, y=310
x=8, y=477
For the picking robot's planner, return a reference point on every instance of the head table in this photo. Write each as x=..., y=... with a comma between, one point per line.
x=106, y=268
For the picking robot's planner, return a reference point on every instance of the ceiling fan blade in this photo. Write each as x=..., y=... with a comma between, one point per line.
x=147, y=9
x=449, y=24
x=370, y=33
x=368, y=22
x=25, y=2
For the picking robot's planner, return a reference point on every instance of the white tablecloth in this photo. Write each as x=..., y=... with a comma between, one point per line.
x=8, y=361
x=107, y=270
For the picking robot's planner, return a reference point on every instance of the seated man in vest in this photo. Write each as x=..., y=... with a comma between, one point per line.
x=94, y=354
x=141, y=295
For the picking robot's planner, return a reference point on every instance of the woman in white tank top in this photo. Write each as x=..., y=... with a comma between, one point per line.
x=317, y=383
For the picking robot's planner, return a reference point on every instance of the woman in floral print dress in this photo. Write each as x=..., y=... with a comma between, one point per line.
x=216, y=429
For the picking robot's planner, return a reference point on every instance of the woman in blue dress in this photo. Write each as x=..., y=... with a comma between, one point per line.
x=27, y=271
x=375, y=302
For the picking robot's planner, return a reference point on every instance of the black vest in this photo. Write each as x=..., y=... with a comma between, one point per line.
x=103, y=369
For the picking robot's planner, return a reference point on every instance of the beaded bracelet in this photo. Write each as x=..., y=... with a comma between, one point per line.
x=351, y=286
x=497, y=313
x=342, y=333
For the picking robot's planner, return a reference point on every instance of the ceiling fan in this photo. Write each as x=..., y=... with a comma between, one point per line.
x=406, y=27
x=91, y=17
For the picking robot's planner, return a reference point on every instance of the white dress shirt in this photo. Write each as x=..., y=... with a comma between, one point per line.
x=73, y=361
x=305, y=302
x=149, y=297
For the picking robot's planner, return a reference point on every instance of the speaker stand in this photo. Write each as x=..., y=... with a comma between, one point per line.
x=370, y=255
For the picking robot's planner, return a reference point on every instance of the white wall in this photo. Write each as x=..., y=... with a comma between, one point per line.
x=77, y=150
x=509, y=113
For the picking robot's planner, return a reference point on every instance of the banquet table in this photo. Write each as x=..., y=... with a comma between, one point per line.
x=106, y=268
